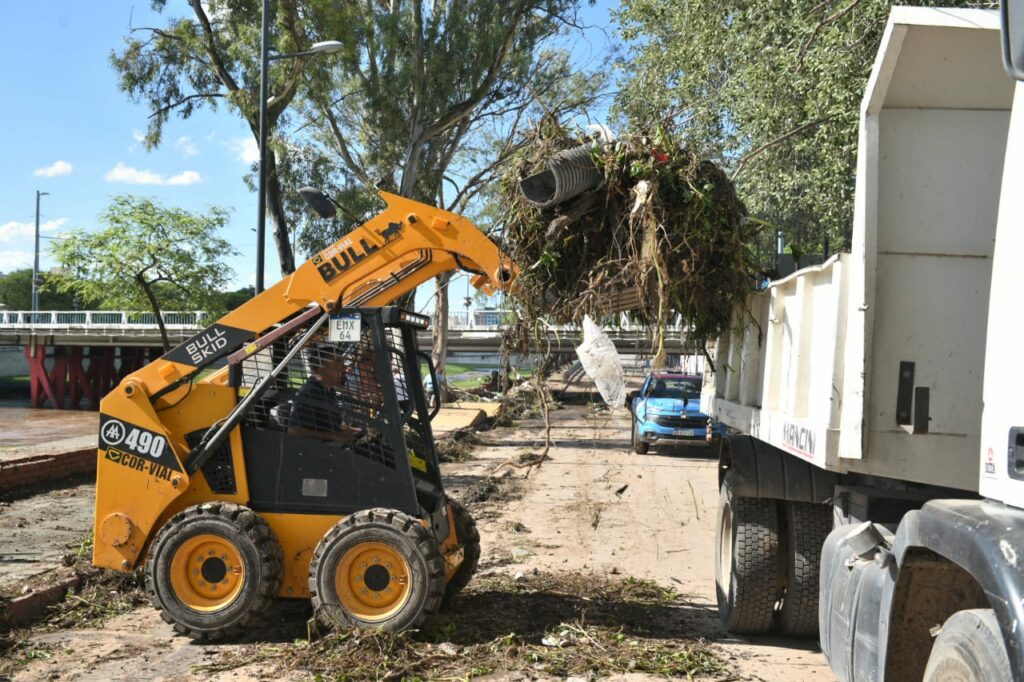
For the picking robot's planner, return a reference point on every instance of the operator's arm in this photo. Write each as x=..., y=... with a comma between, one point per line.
x=390, y=255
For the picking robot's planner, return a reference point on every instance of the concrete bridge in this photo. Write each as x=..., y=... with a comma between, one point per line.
x=82, y=354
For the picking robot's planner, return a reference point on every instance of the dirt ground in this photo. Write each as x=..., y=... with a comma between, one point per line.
x=37, y=532
x=592, y=508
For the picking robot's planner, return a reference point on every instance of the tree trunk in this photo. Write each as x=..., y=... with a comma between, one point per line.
x=439, y=351
x=275, y=208
x=155, y=305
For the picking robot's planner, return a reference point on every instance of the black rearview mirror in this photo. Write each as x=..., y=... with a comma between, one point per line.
x=319, y=202
x=1012, y=15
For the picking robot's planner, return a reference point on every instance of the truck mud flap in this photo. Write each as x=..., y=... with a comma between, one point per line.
x=855, y=581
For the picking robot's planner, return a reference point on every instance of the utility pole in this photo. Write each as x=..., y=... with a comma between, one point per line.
x=35, y=264
x=261, y=215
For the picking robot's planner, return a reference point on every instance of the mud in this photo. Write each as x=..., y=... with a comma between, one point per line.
x=21, y=428
x=38, y=532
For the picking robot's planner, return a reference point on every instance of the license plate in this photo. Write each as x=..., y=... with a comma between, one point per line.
x=683, y=432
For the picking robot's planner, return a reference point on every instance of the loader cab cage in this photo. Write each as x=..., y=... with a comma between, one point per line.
x=339, y=426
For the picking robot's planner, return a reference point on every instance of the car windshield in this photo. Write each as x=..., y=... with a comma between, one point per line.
x=678, y=389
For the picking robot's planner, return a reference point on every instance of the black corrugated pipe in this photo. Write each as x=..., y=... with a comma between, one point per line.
x=568, y=174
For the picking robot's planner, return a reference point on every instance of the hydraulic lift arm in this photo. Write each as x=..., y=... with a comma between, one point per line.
x=386, y=257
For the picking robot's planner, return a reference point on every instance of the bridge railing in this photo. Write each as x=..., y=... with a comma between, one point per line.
x=94, y=319
x=85, y=320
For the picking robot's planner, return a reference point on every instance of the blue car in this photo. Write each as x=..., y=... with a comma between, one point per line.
x=667, y=411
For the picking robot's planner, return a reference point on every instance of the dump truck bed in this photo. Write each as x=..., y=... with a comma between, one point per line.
x=873, y=362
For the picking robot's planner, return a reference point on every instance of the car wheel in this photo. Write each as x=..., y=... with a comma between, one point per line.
x=639, y=447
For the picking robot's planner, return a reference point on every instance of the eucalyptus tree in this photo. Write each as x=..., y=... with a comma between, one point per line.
x=772, y=88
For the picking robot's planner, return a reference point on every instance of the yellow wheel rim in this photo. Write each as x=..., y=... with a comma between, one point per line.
x=372, y=581
x=207, y=572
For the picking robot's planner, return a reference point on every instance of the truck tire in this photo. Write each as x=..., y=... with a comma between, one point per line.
x=213, y=570
x=378, y=568
x=746, y=561
x=807, y=524
x=639, y=447
x=969, y=647
x=469, y=538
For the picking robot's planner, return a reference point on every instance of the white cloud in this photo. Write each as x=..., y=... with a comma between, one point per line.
x=134, y=176
x=15, y=260
x=53, y=170
x=138, y=135
x=246, y=149
x=188, y=177
x=13, y=229
x=185, y=146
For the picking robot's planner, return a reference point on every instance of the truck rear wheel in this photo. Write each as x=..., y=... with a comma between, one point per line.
x=807, y=524
x=378, y=568
x=969, y=647
x=469, y=539
x=746, y=561
x=213, y=570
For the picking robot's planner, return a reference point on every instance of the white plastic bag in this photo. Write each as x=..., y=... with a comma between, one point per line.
x=601, y=362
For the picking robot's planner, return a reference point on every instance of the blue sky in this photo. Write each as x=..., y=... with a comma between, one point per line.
x=68, y=130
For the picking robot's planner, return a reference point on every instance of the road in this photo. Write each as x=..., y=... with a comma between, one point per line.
x=593, y=507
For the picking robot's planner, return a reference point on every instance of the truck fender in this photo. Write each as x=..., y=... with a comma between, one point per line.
x=981, y=545
x=761, y=470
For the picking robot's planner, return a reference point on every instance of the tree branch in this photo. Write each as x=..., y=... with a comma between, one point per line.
x=820, y=25
x=344, y=149
x=459, y=111
x=211, y=47
x=776, y=141
x=174, y=105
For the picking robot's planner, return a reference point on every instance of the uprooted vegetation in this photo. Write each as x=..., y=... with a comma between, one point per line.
x=544, y=624
x=661, y=235
x=100, y=594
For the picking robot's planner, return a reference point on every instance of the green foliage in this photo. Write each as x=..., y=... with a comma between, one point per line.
x=229, y=300
x=149, y=256
x=770, y=88
x=417, y=93
x=427, y=91
x=16, y=292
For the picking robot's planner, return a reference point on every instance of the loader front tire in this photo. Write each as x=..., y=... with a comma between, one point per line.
x=213, y=570
x=378, y=568
x=469, y=539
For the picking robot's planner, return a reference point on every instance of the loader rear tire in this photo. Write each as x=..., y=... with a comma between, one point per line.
x=746, y=561
x=213, y=570
x=378, y=568
x=469, y=538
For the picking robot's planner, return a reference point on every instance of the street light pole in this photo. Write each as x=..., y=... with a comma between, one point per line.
x=261, y=216
x=324, y=47
x=35, y=263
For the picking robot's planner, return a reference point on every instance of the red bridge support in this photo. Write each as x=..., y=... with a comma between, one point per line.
x=76, y=372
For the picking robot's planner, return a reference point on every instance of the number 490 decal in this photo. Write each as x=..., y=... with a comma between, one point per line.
x=115, y=433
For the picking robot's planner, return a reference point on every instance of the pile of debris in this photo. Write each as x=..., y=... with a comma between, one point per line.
x=641, y=223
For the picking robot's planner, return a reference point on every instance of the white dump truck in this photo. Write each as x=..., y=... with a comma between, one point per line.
x=872, y=485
